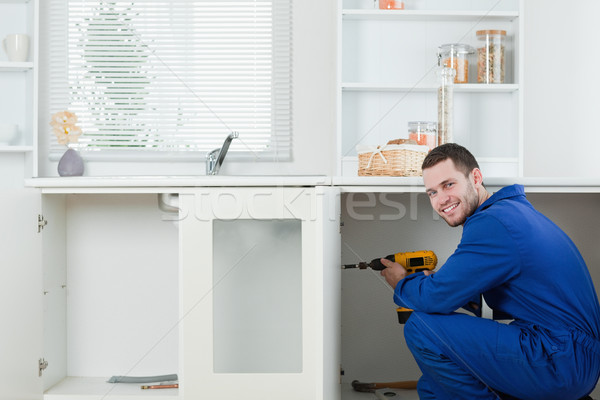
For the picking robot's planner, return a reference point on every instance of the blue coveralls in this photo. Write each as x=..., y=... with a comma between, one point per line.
x=527, y=267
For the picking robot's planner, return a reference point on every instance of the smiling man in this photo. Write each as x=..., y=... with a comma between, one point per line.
x=526, y=267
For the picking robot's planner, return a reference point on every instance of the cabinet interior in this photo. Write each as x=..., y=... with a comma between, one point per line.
x=111, y=304
x=111, y=283
x=378, y=224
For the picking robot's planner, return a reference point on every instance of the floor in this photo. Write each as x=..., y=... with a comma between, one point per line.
x=398, y=394
x=383, y=394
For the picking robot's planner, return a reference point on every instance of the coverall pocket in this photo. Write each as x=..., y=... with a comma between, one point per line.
x=552, y=342
x=531, y=344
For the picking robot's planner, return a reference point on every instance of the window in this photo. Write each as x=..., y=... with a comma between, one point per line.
x=171, y=79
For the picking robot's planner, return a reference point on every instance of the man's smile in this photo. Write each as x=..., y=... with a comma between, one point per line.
x=450, y=208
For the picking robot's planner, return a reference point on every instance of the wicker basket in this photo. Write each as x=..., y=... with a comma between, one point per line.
x=391, y=160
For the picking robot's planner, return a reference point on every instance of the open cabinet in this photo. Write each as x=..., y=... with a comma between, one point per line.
x=237, y=293
x=387, y=78
x=399, y=219
x=110, y=295
x=19, y=82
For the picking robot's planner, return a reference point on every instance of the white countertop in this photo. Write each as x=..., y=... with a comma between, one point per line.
x=147, y=183
x=181, y=181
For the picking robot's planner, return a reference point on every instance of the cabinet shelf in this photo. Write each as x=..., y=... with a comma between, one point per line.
x=15, y=149
x=8, y=66
x=467, y=88
x=387, y=78
x=429, y=15
x=98, y=388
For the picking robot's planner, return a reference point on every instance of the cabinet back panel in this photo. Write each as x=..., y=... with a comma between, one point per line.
x=122, y=279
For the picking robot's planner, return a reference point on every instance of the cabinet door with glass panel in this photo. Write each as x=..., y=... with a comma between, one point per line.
x=259, y=269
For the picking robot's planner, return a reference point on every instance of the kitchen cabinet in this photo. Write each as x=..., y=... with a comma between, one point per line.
x=237, y=293
x=19, y=80
x=240, y=292
x=377, y=221
x=387, y=64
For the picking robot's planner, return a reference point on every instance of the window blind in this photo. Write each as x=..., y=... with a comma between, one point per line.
x=171, y=79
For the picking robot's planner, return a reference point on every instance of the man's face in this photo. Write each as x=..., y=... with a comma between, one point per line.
x=452, y=194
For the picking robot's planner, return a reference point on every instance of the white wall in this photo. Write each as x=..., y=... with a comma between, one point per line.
x=11, y=170
x=313, y=105
x=560, y=88
x=559, y=85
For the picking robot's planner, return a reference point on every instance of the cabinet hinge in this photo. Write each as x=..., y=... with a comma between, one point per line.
x=41, y=223
x=42, y=365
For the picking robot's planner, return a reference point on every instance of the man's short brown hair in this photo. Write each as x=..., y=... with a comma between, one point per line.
x=461, y=157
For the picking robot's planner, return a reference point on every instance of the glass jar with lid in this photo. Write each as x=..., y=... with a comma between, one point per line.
x=491, y=56
x=456, y=55
x=391, y=5
x=423, y=132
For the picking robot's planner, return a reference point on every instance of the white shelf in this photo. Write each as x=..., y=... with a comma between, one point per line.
x=387, y=58
x=421, y=15
x=8, y=66
x=15, y=149
x=467, y=87
x=98, y=389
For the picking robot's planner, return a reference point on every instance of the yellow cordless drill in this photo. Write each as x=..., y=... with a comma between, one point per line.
x=412, y=261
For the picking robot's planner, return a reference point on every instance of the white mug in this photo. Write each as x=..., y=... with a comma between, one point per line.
x=8, y=133
x=16, y=46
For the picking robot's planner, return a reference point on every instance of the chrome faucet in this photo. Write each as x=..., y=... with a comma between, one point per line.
x=215, y=158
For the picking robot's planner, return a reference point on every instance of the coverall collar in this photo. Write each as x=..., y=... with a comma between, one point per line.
x=504, y=193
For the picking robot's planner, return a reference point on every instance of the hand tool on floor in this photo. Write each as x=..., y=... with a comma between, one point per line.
x=162, y=386
x=370, y=387
x=412, y=261
x=142, y=379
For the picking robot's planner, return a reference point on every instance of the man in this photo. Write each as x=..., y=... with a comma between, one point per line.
x=526, y=267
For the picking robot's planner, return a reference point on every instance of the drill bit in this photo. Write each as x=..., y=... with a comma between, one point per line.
x=360, y=265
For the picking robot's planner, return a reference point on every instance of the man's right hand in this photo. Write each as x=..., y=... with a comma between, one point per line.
x=393, y=273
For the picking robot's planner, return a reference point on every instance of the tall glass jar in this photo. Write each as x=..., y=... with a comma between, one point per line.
x=423, y=132
x=491, y=56
x=445, y=104
x=456, y=55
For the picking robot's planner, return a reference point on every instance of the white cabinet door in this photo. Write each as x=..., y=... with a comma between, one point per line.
x=260, y=291
x=20, y=295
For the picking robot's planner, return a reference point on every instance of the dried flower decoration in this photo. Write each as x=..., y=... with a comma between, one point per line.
x=63, y=126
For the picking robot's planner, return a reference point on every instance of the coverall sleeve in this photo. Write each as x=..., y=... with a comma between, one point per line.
x=486, y=257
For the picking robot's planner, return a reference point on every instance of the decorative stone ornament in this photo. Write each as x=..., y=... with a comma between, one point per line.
x=70, y=164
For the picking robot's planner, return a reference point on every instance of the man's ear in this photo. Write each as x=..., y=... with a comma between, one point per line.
x=477, y=177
